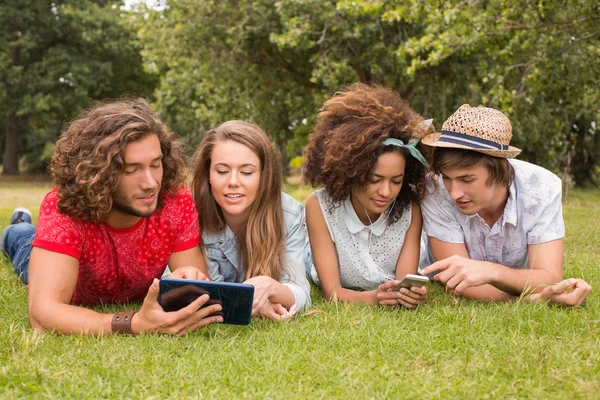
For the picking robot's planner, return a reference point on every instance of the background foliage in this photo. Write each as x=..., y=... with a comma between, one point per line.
x=275, y=62
x=57, y=57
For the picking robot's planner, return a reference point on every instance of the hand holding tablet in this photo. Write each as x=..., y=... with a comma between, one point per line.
x=235, y=298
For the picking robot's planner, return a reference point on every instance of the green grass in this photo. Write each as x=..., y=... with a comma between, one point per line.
x=447, y=348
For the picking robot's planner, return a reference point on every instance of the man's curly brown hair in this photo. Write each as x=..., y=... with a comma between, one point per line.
x=347, y=140
x=88, y=160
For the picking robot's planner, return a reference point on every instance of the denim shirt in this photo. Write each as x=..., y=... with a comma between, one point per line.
x=223, y=258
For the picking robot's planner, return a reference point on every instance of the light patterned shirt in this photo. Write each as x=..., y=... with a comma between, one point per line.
x=367, y=255
x=532, y=215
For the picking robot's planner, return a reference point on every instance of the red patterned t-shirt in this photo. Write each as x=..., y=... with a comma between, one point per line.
x=119, y=265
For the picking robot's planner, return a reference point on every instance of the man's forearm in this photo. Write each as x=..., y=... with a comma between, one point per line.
x=516, y=281
x=487, y=293
x=70, y=320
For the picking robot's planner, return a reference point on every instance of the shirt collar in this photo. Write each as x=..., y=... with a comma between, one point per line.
x=510, y=209
x=354, y=223
x=222, y=236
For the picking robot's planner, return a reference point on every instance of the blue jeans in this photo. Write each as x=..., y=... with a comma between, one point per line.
x=16, y=245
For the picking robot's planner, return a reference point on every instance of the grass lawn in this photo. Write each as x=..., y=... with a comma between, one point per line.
x=447, y=348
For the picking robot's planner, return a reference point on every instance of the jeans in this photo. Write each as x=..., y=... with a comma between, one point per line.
x=16, y=245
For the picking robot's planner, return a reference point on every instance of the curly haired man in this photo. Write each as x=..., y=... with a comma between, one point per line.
x=118, y=214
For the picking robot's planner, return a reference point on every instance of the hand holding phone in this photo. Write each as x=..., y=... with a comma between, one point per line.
x=408, y=292
x=411, y=280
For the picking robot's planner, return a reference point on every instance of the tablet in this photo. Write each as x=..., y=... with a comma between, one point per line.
x=235, y=298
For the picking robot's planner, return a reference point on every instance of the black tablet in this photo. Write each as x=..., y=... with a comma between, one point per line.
x=235, y=298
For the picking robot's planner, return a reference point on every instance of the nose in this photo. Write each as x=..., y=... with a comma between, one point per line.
x=149, y=182
x=385, y=189
x=455, y=191
x=233, y=179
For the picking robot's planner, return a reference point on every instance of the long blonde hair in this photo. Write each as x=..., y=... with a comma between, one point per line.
x=262, y=245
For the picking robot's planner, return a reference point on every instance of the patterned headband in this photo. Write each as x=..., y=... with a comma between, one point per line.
x=410, y=146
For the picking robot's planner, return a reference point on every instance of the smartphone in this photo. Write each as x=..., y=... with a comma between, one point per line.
x=235, y=298
x=413, y=280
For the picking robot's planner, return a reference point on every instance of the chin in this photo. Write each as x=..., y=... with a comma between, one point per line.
x=234, y=210
x=146, y=212
x=468, y=211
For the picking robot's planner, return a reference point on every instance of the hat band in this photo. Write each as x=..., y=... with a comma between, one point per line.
x=470, y=141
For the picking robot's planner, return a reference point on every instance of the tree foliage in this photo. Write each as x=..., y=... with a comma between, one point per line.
x=56, y=57
x=274, y=62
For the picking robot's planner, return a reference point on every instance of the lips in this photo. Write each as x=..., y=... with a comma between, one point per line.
x=380, y=203
x=462, y=204
x=148, y=198
x=233, y=198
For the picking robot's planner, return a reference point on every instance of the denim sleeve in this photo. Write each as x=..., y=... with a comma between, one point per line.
x=218, y=265
x=295, y=276
x=212, y=265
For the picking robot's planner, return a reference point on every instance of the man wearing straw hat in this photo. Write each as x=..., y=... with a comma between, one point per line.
x=493, y=223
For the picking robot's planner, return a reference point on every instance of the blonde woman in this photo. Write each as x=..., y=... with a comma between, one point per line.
x=252, y=231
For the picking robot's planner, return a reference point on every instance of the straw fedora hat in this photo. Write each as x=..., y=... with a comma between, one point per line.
x=480, y=129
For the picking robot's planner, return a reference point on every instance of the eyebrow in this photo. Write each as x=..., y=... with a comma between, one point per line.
x=243, y=165
x=139, y=163
x=395, y=176
x=460, y=177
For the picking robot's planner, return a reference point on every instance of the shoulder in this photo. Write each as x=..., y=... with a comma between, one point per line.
x=322, y=195
x=50, y=199
x=434, y=188
x=535, y=181
x=49, y=202
x=320, y=199
x=436, y=195
x=182, y=194
x=290, y=205
x=52, y=194
x=313, y=206
x=182, y=199
x=49, y=210
x=216, y=238
x=415, y=209
x=293, y=212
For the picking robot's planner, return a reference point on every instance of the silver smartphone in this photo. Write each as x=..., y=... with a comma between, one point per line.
x=413, y=280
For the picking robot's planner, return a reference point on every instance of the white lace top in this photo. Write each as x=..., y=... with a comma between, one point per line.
x=367, y=255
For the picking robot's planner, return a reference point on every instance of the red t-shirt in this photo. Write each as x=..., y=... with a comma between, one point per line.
x=119, y=265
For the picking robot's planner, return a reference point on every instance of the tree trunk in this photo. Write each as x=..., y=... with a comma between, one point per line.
x=285, y=160
x=13, y=128
x=11, y=146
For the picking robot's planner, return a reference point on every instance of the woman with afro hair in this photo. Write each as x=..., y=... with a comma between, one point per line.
x=364, y=223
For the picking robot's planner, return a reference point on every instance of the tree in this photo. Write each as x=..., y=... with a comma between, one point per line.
x=56, y=57
x=274, y=62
